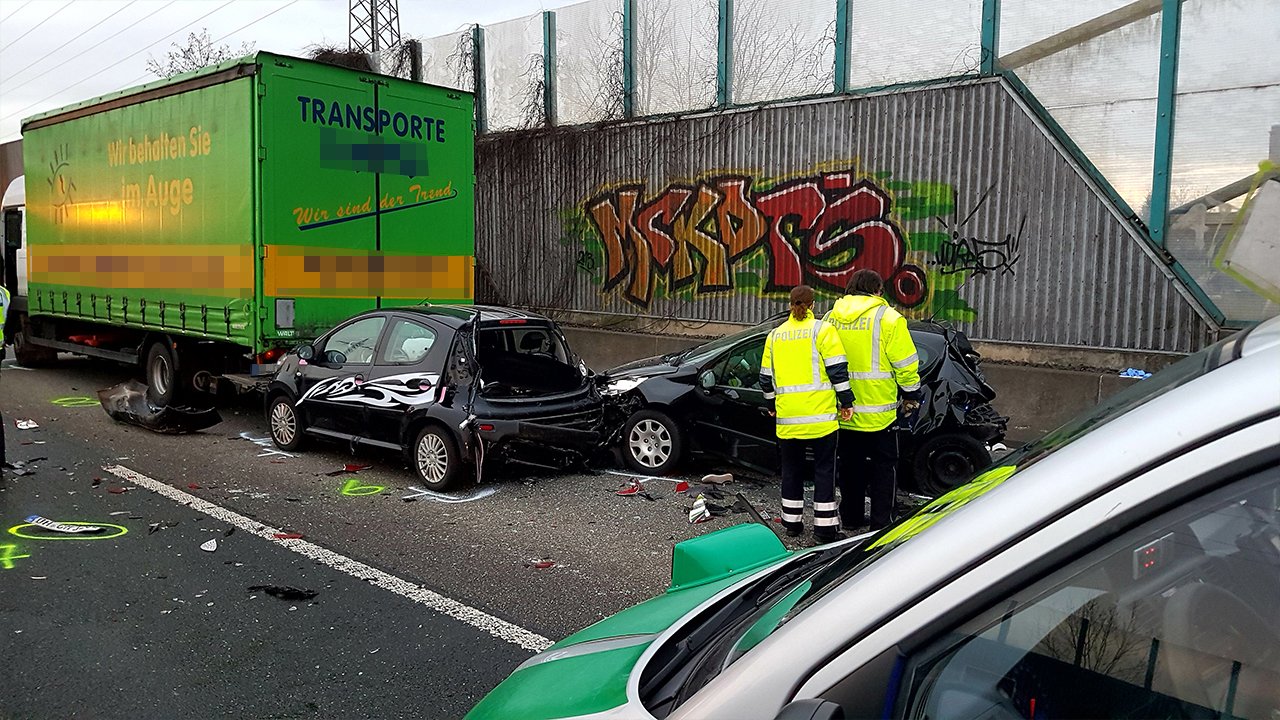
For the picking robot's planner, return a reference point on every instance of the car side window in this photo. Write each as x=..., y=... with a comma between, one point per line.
x=1176, y=618
x=357, y=340
x=407, y=343
x=741, y=368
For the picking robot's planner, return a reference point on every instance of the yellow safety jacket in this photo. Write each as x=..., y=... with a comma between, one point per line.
x=882, y=358
x=803, y=373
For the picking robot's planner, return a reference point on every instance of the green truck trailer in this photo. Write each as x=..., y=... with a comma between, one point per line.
x=202, y=225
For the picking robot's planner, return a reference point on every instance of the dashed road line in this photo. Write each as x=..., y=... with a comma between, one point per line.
x=478, y=619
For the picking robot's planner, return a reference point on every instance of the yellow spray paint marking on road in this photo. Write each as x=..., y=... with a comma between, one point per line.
x=355, y=489
x=75, y=401
x=19, y=531
x=9, y=553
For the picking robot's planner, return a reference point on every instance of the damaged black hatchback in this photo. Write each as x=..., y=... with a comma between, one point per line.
x=708, y=399
x=445, y=385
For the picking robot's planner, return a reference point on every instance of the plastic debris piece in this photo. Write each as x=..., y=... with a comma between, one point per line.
x=193, y=486
x=718, y=478
x=119, y=512
x=631, y=488
x=287, y=536
x=127, y=403
x=228, y=532
x=117, y=490
x=699, y=512
x=56, y=526
x=348, y=468
x=285, y=592
x=542, y=564
x=97, y=481
x=682, y=486
x=26, y=424
x=210, y=545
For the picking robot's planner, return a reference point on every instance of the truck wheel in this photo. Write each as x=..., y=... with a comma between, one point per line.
x=29, y=355
x=161, y=371
x=946, y=461
x=436, y=459
x=652, y=442
x=286, y=425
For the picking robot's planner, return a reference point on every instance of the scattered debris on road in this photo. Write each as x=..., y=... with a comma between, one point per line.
x=541, y=564
x=210, y=545
x=287, y=536
x=156, y=527
x=26, y=424
x=718, y=478
x=699, y=512
x=56, y=526
x=348, y=468
x=117, y=490
x=285, y=592
x=127, y=403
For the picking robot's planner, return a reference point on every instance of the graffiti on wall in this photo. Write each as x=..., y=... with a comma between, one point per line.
x=735, y=233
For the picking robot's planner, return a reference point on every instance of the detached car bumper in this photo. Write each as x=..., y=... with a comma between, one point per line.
x=498, y=433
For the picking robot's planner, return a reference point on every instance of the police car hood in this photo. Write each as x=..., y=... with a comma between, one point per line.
x=852, y=307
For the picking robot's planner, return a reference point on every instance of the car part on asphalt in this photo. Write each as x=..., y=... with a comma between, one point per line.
x=128, y=403
x=285, y=592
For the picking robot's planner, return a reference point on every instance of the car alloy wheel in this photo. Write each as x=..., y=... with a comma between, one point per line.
x=432, y=457
x=284, y=424
x=650, y=443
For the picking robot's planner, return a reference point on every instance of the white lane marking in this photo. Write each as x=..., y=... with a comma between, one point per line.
x=478, y=619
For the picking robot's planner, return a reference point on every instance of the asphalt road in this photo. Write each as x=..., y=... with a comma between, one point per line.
x=146, y=624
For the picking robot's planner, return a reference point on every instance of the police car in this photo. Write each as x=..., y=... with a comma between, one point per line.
x=1127, y=565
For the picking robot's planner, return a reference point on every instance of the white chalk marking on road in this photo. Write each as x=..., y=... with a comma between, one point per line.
x=418, y=492
x=478, y=619
x=9, y=364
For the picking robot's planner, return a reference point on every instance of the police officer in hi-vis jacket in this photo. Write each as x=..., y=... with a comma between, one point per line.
x=803, y=375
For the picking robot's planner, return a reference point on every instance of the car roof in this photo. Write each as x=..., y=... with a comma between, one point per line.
x=457, y=315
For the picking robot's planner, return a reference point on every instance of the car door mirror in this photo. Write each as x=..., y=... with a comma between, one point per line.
x=707, y=380
x=811, y=709
x=334, y=357
x=306, y=352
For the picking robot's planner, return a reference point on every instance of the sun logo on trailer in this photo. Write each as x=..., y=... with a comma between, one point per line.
x=60, y=184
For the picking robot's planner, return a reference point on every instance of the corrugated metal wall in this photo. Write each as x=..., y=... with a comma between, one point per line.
x=979, y=193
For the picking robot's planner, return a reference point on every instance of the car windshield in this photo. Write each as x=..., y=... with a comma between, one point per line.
x=801, y=589
x=700, y=354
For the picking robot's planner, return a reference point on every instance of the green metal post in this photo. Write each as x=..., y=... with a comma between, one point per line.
x=628, y=58
x=1166, y=101
x=990, y=36
x=549, y=67
x=724, y=54
x=477, y=69
x=842, y=46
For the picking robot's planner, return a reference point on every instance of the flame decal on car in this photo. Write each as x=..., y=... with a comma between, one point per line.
x=387, y=392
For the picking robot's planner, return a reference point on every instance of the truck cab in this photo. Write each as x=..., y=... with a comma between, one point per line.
x=14, y=228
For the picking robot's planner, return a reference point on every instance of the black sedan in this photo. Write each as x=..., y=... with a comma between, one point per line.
x=707, y=399
x=445, y=385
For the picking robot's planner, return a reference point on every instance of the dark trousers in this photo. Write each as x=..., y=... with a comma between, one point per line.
x=868, y=461
x=796, y=470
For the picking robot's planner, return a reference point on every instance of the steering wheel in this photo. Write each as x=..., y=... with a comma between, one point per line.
x=1206, y=629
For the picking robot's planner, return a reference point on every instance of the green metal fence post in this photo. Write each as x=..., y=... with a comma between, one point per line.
x=628, y=58
x=842, y=46
x=477, y=70
x=549, y=67
x=724, y=54
x=990, y=36
x=1166, y=101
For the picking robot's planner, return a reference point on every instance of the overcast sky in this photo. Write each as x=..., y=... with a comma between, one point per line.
x=57, y=52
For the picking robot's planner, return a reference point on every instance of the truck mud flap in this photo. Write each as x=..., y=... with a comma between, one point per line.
x=127, y=403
